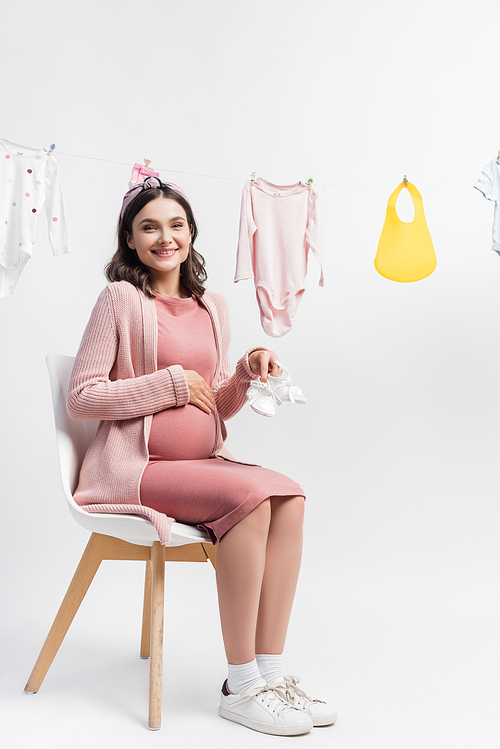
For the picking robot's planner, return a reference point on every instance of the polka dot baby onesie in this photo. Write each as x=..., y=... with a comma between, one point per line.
x=29, y=178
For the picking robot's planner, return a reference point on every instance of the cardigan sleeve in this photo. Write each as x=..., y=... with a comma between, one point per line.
x=93, y=395
x=230, y=396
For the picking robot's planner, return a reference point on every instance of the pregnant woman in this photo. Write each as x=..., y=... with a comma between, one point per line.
x=153, y=367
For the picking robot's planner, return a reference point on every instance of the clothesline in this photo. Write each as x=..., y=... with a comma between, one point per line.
x=317, y=184
x=30, y=179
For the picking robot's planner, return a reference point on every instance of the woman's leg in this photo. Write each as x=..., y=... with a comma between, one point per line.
x=258, y=563
x=283, y=556
x=241, y=560
x=257, y=567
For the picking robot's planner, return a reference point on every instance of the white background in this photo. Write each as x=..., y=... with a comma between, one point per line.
x=396, y=617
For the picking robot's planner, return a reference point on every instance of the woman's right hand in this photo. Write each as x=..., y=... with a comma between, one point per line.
x=200, y=394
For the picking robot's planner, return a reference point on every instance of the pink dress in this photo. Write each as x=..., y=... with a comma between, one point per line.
x=181, y=479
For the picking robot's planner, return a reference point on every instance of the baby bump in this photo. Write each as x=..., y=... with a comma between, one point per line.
x=183, y=433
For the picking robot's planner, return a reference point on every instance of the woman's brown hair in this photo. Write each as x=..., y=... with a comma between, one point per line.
x=125, y=264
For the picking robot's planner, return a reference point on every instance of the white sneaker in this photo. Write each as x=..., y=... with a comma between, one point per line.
x=319, y=711
x=262, y=398
x=263, y=709
x=283, y=388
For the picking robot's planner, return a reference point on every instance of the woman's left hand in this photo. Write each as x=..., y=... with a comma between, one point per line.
x=263, y=362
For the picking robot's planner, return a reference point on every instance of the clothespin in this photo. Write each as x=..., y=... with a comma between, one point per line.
x=405, y=180
x=52, y=148
x=252, y=176
x=147, y=162
x=309, y=183
x=498, y=158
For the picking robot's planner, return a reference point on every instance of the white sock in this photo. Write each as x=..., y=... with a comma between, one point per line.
x=270, y=666
x=242, y=676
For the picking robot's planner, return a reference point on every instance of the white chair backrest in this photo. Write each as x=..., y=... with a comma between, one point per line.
x=73, y=439
x=73, y=436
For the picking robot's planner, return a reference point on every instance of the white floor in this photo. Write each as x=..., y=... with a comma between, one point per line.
x=410, y=661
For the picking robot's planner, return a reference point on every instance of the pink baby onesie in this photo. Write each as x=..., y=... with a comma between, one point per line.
x=279, y=224
x=29, y=178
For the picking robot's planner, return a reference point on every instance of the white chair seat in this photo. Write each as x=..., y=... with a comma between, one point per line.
x=134, y=529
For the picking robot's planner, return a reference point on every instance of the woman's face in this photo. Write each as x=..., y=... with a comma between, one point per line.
x=161, y=236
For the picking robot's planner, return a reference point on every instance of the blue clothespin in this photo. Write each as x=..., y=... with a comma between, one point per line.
x=405, y=180
x=52, y=148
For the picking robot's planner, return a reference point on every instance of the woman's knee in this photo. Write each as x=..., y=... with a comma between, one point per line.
x=290, y=507
x=298, y=507
x=298, y=503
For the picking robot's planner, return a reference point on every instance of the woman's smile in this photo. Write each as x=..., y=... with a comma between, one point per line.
x=165, y=253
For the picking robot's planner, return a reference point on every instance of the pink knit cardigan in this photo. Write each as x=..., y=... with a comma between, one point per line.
x=115, y=379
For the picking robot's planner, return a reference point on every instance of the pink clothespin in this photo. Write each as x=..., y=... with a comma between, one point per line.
x=252, y=176
x=309, y=183
x=140, y=172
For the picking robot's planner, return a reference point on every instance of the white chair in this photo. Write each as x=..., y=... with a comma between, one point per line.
x=113, y=537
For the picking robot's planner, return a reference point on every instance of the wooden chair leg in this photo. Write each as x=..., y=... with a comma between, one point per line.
x=146, y=614
x=88, y=566
x=156, y=661
x=211, y=552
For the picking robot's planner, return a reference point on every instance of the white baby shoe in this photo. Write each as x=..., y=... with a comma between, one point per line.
x=262, y=398
x=283, y=388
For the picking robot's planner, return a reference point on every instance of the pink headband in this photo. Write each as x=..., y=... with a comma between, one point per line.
x=149, y=183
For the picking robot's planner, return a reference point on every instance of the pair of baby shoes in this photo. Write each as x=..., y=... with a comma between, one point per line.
x=265, y=396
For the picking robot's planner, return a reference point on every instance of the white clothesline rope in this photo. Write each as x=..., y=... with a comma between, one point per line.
x=413, y=179
x=316, y=184
x=156, y=168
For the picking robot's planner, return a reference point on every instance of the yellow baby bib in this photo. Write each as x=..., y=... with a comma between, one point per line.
x=405, y=251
